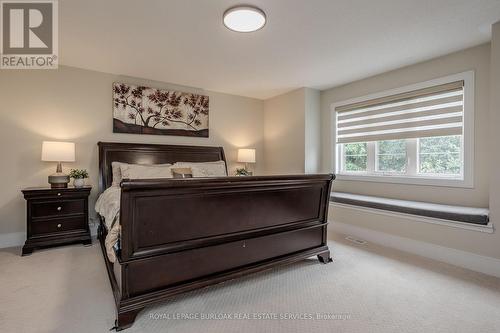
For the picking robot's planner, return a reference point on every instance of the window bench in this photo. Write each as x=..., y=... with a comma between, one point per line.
x=476, y=216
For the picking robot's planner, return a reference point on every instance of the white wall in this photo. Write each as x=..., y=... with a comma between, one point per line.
x=477, y=59
x=284, y=120
x=292, y=132
x=312, y=131
x=76, y=105
x=495, y=124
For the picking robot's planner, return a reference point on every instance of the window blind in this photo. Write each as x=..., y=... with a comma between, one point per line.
x=433, y=111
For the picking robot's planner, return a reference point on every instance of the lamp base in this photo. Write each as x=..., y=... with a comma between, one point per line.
x=58, y=180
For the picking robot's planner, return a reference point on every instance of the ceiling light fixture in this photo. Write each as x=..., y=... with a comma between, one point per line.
x=244, y=19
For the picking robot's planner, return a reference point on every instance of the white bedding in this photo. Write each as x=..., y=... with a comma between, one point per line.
x=108, y=206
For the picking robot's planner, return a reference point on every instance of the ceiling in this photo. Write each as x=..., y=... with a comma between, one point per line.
x=305, y=43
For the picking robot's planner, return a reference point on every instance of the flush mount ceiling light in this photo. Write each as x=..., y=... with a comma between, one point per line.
x=244, y=19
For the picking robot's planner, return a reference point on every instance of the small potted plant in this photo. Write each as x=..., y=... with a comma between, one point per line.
x=78, y=177
x=242, y=172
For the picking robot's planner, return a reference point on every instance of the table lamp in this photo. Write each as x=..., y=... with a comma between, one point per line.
x=58, y=152
x=246, y=156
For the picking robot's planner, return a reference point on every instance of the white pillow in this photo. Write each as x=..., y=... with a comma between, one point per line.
x=138, y=171
x=117, y=173
x=204, y=169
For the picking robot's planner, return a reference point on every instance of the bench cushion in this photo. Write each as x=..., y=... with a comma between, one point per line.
x=445, y=212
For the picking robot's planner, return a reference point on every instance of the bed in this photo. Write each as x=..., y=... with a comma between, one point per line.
x=178, y=235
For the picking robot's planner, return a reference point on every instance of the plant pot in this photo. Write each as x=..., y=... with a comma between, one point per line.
x=78, y=182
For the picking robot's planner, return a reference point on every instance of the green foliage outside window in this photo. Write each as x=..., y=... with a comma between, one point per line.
x=440, y=155
x=391, y=156
x=436, y=155
x=356, y=156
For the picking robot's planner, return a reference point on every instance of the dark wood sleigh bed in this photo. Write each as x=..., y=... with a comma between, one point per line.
x=182, y=234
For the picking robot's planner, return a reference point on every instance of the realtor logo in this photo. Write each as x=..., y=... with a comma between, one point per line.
x=28, y=34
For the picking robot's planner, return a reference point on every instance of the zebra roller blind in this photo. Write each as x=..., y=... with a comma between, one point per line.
x=433, y=111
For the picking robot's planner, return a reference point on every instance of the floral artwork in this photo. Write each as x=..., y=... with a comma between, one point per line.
x=144, y=110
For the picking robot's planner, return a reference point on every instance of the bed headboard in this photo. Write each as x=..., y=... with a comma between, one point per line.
x=140, y=153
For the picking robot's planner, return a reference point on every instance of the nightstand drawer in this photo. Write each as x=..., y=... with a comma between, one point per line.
x=57, y=208
x=42, y=227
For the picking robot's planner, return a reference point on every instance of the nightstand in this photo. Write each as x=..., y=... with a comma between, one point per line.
x=56, y=216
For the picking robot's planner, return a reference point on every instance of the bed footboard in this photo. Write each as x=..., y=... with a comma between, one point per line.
x=179, y=235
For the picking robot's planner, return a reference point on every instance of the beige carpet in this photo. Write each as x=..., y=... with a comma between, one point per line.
x=366, y=289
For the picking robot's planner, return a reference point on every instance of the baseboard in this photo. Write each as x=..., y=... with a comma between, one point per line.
x=18, y=238
x=475, y=262
x=12, y=239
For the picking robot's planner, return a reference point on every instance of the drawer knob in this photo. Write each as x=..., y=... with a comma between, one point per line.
x=59, y=208
x=58, y=194
x=59, y=225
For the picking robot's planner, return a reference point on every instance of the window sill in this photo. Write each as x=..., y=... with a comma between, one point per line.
x=445, y=182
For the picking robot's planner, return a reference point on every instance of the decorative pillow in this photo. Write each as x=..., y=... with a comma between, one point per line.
x=182, y=172
x=117, y=173
x=204, y=169
x=137, y=171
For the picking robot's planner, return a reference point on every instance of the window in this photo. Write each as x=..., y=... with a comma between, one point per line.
x=391, y=156
x=440, y=155
x=355, y=157
x=422, y=134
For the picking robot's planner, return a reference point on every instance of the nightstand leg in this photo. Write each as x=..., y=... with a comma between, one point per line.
x=27, y=250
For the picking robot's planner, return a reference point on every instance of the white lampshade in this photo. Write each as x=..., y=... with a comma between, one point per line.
x=58, y=151
x=246, y=155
